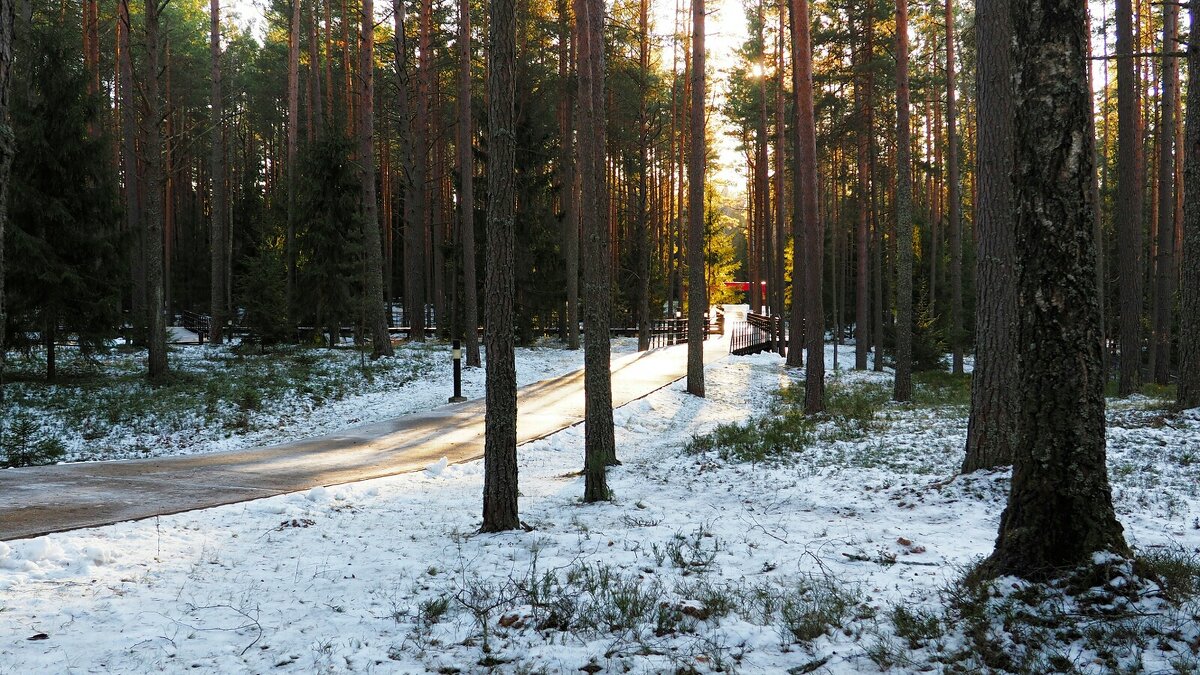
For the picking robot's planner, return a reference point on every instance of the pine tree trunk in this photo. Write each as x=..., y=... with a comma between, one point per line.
x=569, y=178
x=7, y=18
x=374, y=304
x=293, y=131
x=956, y=276
x=599, y=441
x=217, y=208
x=1060, y=509
x=695, y=247
x=1129, y=204
x=155, y=180
x=904, y=224
x=994, y=381
x=777, y=281
x=813, y=243
x=414, y=188
x=1189, y=334
x=795, y=354
x=500, y=430
x=315, y=104
x=1165, y=265
x=466, y=176
x=643, y=204
x=862, y=95
x=431, y=253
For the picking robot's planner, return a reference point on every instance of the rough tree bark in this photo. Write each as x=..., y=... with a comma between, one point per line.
x=466, y=177
x=1189, y=337
x=777, y=282
x=7, y=17
x=500, y=424
x=599, y=442
x=994, y=381
x=216, y=235
x=695, y=248
x=374, y=304
x=904, y=224
x=1060, y=508
x=955, y=209
x=813, y=244
x=1166, y=272
x=155, y=186
x=643, y=188
x=795, y=352
x=570, y=187
x=1129, y=204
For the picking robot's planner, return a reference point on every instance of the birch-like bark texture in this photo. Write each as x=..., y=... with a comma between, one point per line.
x=994, y=381
x=1060, y=508
x=500, y=430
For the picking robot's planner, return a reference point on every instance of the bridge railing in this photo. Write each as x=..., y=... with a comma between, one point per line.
x=758, y=333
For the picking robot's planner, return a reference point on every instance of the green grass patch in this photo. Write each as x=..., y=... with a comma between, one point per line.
x=941, y=389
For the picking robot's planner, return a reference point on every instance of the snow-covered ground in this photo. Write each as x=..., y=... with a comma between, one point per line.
x=698, y=564
x=223, y=399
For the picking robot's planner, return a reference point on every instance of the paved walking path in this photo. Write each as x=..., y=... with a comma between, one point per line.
x=44, y=499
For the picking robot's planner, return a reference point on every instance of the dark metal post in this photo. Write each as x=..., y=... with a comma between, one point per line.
x=456, y=355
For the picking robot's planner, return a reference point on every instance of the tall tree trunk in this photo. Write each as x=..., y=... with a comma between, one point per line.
x=315, y=104
x=904, y=224
x=1165, y=264
x=374, y=304
x=806, y=185
x=780, y=205
x=569, y=178
x=414, y=187
x=956, y=276
x=695, y=247
x=293, y=131
x=132, y=178
x=862, y=96
x=642, y=241
x=1129, y=203
x=500, y=428
x=994, y=381
x=795, y=352
x=155, y=179
x=431, y=252
x=1060, y=508
x=466, y=176
x=7, y=18
x=599, y=441
x=1189, y=334
x=217, y=207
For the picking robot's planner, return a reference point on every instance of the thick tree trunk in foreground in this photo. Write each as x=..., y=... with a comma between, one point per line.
x=500, y=426
x=994, y=382
x=814, y=231
x=599, y=443
x=6, y=155
x=1189, y=338
x=1060, y=508
x=375, y=305
x=904, y=224
x=697, y=299
x=466, y=177
x=155, y=186
x=1129, y=204
x=1166, y=272
x=216, y=236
